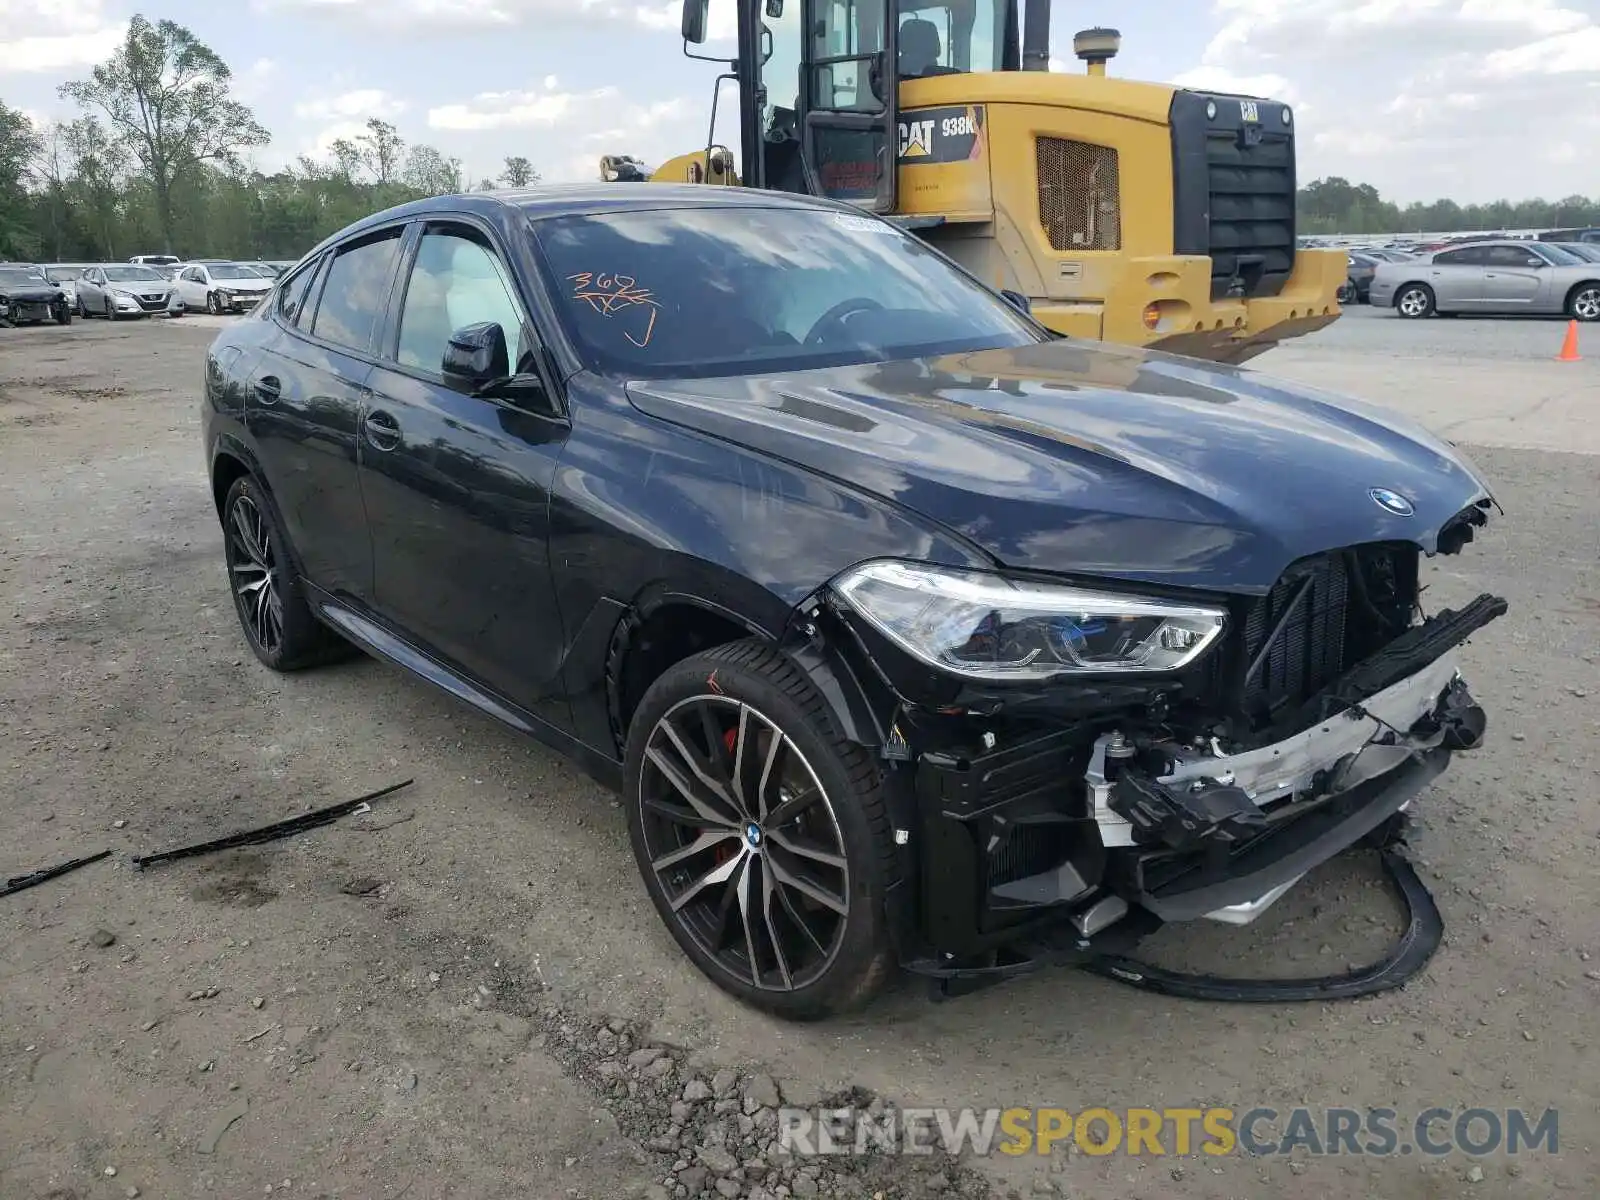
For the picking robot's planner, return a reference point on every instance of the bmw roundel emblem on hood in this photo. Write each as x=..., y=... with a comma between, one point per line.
x=1391, y=501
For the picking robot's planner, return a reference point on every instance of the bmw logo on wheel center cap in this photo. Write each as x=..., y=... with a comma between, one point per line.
x=1391, y=501
x=752, y=835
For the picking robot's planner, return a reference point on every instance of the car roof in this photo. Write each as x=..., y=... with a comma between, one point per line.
x=578, y=199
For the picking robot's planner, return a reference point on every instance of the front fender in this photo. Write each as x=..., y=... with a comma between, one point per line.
x=644, y=509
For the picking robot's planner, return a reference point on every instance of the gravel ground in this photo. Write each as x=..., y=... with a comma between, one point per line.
x=466, y=993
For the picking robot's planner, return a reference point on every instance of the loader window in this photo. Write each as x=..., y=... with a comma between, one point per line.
x=948, y=37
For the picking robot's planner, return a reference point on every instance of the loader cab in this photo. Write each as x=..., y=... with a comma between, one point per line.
x=818, y=83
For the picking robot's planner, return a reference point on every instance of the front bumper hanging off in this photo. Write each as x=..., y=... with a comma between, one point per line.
x=1223, y=836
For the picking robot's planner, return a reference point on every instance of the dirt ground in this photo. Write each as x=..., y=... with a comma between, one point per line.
x=466, y=994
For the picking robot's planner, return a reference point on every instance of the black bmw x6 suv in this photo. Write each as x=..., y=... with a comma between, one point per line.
x=911, y=633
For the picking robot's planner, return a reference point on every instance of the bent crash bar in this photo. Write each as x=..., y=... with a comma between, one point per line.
x=1345, y=747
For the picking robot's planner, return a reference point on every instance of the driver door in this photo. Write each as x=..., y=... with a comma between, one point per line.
x=848, y=100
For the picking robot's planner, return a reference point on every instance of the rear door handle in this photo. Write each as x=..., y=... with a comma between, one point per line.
x=268, y=389
x=382, y=430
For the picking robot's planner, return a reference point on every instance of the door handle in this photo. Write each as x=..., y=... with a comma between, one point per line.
x=382, y=430
x=268, y=389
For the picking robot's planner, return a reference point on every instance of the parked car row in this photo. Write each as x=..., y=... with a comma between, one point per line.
x=147, y=285
x=1363, y=263
x=1508, y=276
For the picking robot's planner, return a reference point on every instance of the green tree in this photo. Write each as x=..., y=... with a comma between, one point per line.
x=19, y=145
x=519, y=172
x=167, y=98
x=99, y=167
x=381, y=148
x=431, y=173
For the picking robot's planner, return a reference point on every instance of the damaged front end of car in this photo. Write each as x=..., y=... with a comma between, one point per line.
x=1061, y=815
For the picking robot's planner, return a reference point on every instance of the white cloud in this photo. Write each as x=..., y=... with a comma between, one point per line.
x=320, y=145
x=516, y=109
x=361, y=103
x=1421, y=98
x=405, y=16
x=56, y=35
x=255, y=82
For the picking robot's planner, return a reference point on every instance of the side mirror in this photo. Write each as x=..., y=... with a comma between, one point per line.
x=475, y=355
x=1535, y=261
x=694, y=21
x=1017, y=301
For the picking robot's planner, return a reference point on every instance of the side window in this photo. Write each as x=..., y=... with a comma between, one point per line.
x=457, y=280
x=1511, y=256
x=1460, y=258
x=357, y=291
x=292, y=295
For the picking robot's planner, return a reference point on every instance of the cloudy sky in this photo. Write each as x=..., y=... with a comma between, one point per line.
x=1476, y=99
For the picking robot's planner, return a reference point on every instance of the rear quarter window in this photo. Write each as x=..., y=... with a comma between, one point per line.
x=357, y=291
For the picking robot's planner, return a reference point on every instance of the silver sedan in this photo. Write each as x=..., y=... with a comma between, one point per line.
x=116, y=290
x=1491, y=277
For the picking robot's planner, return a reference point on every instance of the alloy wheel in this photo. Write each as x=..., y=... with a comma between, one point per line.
x=1414, y=303
x=744, y=843
x=1586, y=304
x=253, y=568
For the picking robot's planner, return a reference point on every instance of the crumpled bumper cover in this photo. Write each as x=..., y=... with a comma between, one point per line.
x=1205, y=840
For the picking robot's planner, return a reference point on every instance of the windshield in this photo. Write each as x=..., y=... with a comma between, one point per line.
x=57, y=274
x=159, y=260
x=939, y=37
x=132, y=275
x=685, y=292
x=1582, y=250
x=16, y=276
x=231, y=271
x=1559, y=256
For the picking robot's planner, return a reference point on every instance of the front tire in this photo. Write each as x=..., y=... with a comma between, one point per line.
x=277, y=622
x=762, y=834
x=213, y=305
x=1346, y=293
x=1584, y=303
x=63, y=314
x=1415, y=301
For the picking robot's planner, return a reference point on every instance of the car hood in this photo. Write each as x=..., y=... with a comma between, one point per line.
x=1088, y=458
x=30, y=292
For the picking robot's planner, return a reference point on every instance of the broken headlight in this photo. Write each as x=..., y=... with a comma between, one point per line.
x=988, y=627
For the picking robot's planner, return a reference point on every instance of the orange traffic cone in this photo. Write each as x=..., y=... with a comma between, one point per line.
x=1569, y=348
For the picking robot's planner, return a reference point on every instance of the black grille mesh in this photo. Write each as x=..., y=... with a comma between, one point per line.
x=1080, y=204
x=1309, y=654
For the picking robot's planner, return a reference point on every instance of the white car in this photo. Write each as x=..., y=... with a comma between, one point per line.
x=220, y=287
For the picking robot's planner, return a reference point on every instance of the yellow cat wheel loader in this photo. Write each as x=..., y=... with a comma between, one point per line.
x=1128, y=212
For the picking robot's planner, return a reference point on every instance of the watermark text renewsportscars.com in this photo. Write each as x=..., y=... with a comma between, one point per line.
x=1139, y=1132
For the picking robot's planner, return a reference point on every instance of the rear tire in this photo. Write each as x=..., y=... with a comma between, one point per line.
x=1584, y=302
x=1346, y=293
x=282, y=630
x=1415, y=301
x=768, y=831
